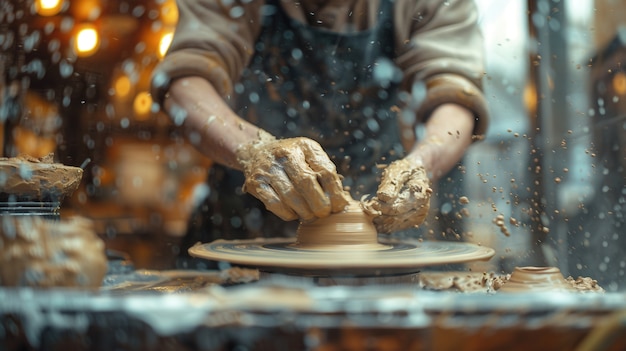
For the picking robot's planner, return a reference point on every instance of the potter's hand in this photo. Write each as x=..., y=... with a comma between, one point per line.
x=294, y=178
x=403, y=197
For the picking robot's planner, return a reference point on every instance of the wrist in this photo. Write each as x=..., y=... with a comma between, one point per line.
x=425, y=154
x=244, y=150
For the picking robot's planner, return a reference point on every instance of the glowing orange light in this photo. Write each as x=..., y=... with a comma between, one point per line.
x=169, y=13
x=48, y=7
x=87, y=40
x=29, y=143
x=164, y=43
x=86, y=10
x=142, y=105
x=122, y=86
x=530, y=98
x=619, y=83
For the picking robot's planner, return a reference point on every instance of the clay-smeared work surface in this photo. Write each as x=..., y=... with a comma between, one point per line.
x=522, y=279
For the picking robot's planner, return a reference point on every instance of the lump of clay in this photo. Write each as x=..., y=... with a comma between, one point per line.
x=533, y=279
x=30, y=178
x=45, y=253
x=346, y=230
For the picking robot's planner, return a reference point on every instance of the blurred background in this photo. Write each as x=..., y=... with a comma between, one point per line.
x=545, y=187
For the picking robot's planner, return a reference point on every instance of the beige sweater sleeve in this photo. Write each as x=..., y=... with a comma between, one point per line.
x=439, y=47
x=213, y=40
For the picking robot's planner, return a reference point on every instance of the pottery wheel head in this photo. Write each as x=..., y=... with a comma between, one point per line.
x=344, y=244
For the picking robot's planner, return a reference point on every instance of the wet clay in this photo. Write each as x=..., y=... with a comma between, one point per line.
x=344, y=243
x=584, y=284
x=402, y=200
x=531, y=279
x=48, y=253
x=349, y=230
x=343, y=240
x=523, y=279
x=37, y=178
x=294, y=177
x=467, y=282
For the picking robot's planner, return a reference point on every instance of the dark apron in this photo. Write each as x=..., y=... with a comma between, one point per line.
x=335, y=88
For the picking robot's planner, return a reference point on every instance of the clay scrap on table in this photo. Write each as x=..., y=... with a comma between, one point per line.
x=469, y=282
x=30, y=178
x=42, y=253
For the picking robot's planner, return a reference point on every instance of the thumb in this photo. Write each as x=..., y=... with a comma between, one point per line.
x=393, y=179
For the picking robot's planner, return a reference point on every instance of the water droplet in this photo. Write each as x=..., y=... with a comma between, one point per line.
x=254, y=97
x=296, y=54
x=373, y=125
x=66, y=69
x=236, y=12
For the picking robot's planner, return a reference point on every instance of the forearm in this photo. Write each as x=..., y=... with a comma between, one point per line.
x=208, y=122
x=448, y=134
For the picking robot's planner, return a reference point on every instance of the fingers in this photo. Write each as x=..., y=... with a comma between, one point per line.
x=394, y=178
x=311, y=199
x=294, y=178
x=389, y=224
x=291, y=196
x=277, y=190
x=413, y=195
x=259, y=188
x=327, y=175
x=403, y=198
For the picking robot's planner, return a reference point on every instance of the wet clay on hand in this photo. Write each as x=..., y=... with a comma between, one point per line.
x=46, y=253
x=403, y=198
x=294, y=178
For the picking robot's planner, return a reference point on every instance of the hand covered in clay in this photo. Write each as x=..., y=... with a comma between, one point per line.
x=402, y=199
x=294, y=178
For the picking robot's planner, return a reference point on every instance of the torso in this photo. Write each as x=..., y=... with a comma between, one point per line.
x=332, y=87
x=306, y=81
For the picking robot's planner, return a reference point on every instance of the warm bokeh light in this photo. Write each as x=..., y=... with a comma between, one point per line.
x=48, y=7
x=619, y=83
x=87, y=40
x=122, y=86
x=86, y=10
x=142, y=105
x=169, y=13
x=29, y=143
x=164, y=43
x=530, y=98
